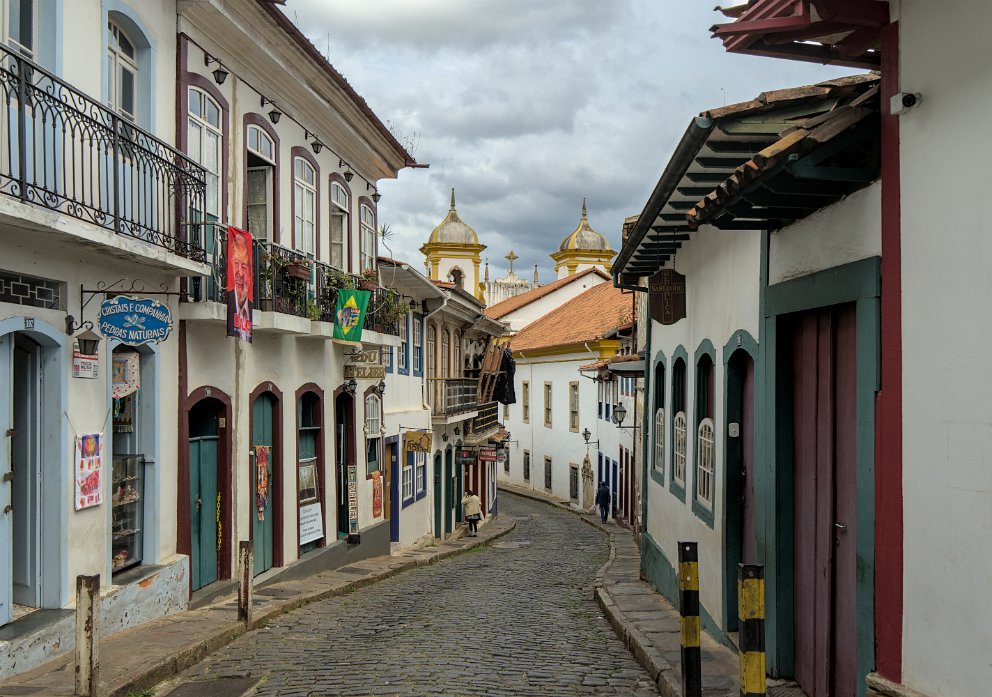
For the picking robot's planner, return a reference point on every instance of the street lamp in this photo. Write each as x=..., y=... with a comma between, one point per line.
x=619, y=414
x=586, y=435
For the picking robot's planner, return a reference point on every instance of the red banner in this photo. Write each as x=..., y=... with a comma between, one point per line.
x=238, y=283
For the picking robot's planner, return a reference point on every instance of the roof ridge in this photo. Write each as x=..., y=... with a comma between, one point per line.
x=515, y=302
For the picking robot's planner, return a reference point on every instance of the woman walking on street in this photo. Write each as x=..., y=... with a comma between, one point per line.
x=473, y=512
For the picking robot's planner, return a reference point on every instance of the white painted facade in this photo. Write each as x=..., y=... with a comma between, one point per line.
x=722, y=293
x=947, y=428
x=524, y=315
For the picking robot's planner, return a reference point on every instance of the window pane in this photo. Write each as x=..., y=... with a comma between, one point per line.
x=126, y=104
x=21, y=23
x=194, y=102
x=212, y=112
x=253, y=138
x=265, y=145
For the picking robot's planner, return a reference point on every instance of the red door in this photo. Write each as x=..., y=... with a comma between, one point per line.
x=823, y=392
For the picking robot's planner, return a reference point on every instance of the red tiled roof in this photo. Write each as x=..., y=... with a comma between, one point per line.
x=591, y=316
x=507, y=306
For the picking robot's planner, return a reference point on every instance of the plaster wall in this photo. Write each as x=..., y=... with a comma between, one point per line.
x=404, y=410
x=946, y=325
x=722, y=293
x=849, y=230
x=520, y=318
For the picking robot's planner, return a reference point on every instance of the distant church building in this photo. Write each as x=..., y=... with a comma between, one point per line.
x=453, y=253
x=508, y=286
x=584, y=248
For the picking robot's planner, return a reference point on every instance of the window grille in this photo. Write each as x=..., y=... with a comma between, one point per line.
x=547, y=473
x=526, y=466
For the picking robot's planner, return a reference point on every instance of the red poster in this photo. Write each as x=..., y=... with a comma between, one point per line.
x=376, y=494
x=238, y=283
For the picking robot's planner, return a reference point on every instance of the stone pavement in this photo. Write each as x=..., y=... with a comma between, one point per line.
x=515, y=618
x=145, y=655
x=647, y=623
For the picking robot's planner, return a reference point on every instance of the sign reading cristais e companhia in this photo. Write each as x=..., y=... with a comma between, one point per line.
x=134, y=321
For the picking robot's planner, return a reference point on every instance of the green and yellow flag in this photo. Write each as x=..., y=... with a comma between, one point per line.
x=350, y=314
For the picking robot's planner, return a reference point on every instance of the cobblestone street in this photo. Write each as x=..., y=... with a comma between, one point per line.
x=516, y=618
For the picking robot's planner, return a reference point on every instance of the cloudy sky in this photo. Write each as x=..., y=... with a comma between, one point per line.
x=527, y=107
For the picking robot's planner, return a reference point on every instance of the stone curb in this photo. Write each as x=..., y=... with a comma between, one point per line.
x=660, y=670
x=190, y=656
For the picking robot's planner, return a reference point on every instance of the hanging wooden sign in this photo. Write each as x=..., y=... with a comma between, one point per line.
x=667, y=296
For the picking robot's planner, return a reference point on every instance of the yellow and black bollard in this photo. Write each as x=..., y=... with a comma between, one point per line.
x=692, y=682
x=751, y=606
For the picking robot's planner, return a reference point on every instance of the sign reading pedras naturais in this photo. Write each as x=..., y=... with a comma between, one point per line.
x=134, y=321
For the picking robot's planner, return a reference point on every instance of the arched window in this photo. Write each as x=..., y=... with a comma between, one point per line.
x=261, y=161
x=367, y=247
x=679, y=424
x=308, y=419
x=704, y=431
x=659, y=418
x=122, y=71
x=339, y=224
x=373, y=433
x=431, y=342
x=458, y=277
x=204, y=143
x=304, y=206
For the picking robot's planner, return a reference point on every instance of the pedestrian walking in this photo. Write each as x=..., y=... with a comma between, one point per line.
x=472, y=506
x=604, y=499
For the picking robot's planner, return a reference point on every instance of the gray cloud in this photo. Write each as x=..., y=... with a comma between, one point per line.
x=525, y=108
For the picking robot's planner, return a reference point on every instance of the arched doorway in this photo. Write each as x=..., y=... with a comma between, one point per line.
x=740, y=534
x=344, y=453
x=266, y=484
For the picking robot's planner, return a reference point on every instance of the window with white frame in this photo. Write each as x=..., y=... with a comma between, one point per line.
x=456, y=365
x=659, y=439
x=261, y=165
x=704, y=463
x=573, y=406
x=339, y=224
x=204, y=140
x=418, y=345
x=679, y=422
x=401, y=363
x=420, y=464
x=431, y=343
x=373, y=433
x=122, y=68
x=678, y=454
x=304, y=205
x=445, y=354
x=21, y=22
x=367, y=246
x=408, y=472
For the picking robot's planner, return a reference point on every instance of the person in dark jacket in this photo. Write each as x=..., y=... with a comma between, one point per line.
x=604, y=499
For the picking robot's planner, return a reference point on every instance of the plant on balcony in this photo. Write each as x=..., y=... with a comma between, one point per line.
x=299, y=269
x=369, y=279
x=391, y=310
x=340, y=279
x=314, y=312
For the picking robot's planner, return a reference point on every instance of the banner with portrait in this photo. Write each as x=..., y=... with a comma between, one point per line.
x=239, y=283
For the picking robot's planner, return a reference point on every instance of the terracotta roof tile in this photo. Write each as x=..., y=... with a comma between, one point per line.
x=591, y=316
x=507, y=306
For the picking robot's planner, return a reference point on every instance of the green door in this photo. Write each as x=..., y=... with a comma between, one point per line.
x=203, y=510
x=438, y=492
x=449, y=485
x=262, y=517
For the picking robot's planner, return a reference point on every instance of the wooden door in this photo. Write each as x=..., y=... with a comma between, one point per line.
x=203, y=503
x=823, y=392
x=449, y=485
x=263, y=517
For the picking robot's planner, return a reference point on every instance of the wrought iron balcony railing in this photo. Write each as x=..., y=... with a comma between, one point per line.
x=289, y=282
x=452, y=396
x=64, y=151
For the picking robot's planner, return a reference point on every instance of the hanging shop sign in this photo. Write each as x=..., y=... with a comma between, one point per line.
x=85, y=366
x=352, y=499
x=667, y=296
x=417, y=441
x=134, y=321
x=487, y=454
x=364, y=372
x=501, y=457
x=465, y=457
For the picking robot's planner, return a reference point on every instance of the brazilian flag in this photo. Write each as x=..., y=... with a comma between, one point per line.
x=350, y=314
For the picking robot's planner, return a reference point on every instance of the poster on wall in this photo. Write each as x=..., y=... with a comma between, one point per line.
x=377, y=494
x=239, y=286
x=352, y=499
x=89, y=471
x=262, y=479
x=84, y=365
x=311, y=523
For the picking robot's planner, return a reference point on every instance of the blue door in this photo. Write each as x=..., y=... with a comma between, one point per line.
x=393, y=504
x=263, y=517
x=203, y=506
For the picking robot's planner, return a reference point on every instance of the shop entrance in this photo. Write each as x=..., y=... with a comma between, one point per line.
x=25, y=468
x=823, y=352
x=204, y=492
x=438, y=493
x=263, y=503
x=344, y=453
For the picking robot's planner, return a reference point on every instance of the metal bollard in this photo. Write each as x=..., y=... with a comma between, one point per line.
x=87, y=635
x=751, y=606
x=246, y=568
x=692, y=682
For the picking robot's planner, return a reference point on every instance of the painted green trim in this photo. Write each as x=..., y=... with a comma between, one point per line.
x=841, y=284
x=657, y=473
x=705, y=514
x=673, y=486
x=740, y=340
x=857, y=282
x=644, y=436
x=705, y=347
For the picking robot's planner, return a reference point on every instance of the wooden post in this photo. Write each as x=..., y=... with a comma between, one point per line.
x=692, y=682
x=246, y=569
x=87, y=635
x=751, y=606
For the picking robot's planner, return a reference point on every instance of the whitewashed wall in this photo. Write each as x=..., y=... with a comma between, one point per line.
x=947, y=327
x=722, y=293
x=520, y=318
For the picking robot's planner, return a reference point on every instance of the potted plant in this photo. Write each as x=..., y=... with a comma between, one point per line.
x=369, y=279
x=298, y=268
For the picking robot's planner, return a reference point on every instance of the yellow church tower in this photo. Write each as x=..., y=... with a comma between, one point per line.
x=453, y=253
x=581, y=249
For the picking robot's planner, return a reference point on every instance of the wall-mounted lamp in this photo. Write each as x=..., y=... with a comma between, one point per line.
x=444, y=437
x=275, y=114
x=375, y=192
x=376, y=196
x=348, y=174
x=458, y=431
x=219, y=73
x=316, y=144
x=351, y=386
x=586, y=435
x=381, y=387
x=619, y=414
x=89, y=341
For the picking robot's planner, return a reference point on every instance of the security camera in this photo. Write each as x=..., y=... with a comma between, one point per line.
x=904, y=101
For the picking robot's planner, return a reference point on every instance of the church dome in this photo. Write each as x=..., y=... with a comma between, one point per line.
x=584, y=238
x=453, y=230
